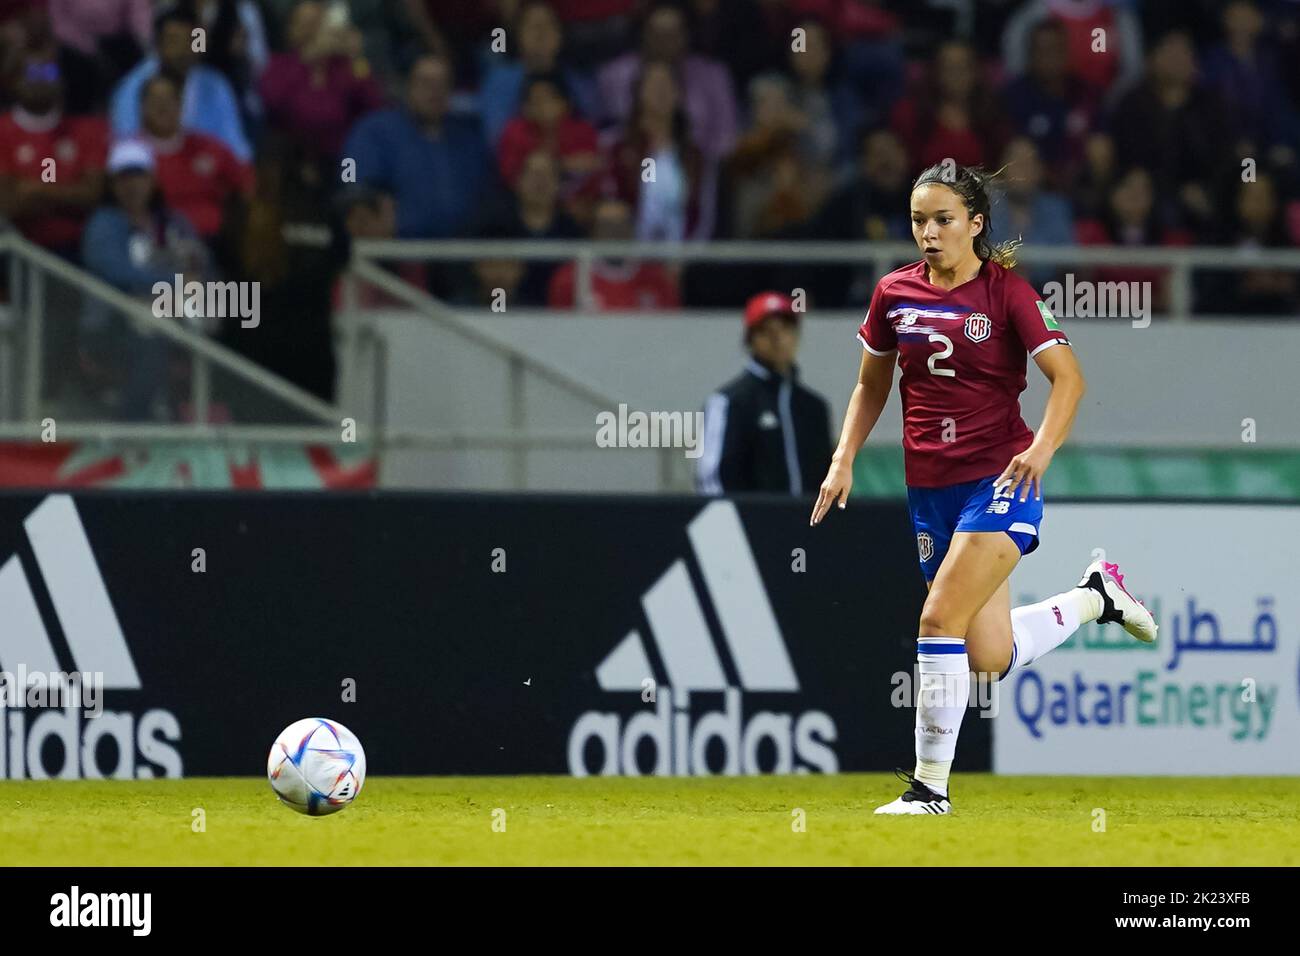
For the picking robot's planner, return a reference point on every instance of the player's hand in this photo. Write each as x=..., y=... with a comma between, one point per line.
x=839, y=479
x=1025, y=472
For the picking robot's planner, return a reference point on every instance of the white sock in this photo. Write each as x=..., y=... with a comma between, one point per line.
x=1038, y=628
x=934, y=774
x=940, y=706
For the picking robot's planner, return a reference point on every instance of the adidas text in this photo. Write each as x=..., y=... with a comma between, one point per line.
x=43, y=734
x=798, y=745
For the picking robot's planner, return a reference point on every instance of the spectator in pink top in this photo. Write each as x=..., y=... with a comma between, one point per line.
x=319, y=89
x=710, y=99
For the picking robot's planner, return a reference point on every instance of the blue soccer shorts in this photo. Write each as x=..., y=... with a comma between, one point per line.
x=938, y=513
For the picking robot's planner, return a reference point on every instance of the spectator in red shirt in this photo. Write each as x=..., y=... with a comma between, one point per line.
x=546, y=122
x=198, y=175
x=616, y=284
x=322, y=86
x=51, y=165
x=953, y=115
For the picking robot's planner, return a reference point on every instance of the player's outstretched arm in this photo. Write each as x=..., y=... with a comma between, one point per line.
x=875, y=378
x=1025, y=471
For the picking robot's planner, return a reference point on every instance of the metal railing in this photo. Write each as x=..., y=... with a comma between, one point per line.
x=22, y=388
x=363, y=347
x=29, y=266
x=520, y=438
x=883, y=257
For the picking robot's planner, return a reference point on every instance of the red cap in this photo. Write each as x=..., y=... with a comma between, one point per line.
x=768, y=303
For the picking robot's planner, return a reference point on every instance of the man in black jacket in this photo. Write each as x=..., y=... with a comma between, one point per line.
x=764, y=430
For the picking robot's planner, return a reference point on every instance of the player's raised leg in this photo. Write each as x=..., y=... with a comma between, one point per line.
x=976, y=566
x=1099, y=596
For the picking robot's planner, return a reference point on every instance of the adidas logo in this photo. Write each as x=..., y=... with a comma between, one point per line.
x=720, y=741
x=109, y=744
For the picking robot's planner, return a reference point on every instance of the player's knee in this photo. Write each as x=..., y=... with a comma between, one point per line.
x=940, y=620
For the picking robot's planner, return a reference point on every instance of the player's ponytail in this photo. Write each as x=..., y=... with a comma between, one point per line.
x=971, y=183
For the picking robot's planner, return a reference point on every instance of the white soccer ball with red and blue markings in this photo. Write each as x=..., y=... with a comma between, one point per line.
x=316, y=766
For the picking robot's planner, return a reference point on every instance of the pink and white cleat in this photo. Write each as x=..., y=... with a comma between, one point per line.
x=1117, y=605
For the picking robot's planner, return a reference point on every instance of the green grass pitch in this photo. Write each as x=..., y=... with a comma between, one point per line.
x=998, y=821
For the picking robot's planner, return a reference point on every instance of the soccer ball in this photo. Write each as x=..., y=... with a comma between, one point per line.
x=316, y=766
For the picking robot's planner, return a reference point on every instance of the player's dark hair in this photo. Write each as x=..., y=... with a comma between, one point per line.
x=971, y=184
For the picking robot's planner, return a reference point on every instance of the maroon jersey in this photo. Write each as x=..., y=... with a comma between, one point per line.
x=962, y=353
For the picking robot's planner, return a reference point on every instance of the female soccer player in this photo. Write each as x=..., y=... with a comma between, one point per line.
x=960, y=323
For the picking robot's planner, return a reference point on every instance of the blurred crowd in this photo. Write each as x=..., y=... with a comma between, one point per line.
x=253, y=138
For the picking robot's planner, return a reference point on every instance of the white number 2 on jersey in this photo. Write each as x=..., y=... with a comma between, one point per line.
x=935, y=356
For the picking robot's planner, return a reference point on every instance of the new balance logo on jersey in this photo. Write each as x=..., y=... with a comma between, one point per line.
x=116, y=744
x=725, y=740
x=998, y=508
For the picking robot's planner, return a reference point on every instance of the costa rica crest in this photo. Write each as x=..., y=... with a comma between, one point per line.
x=978, y=326
x=925, y=545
